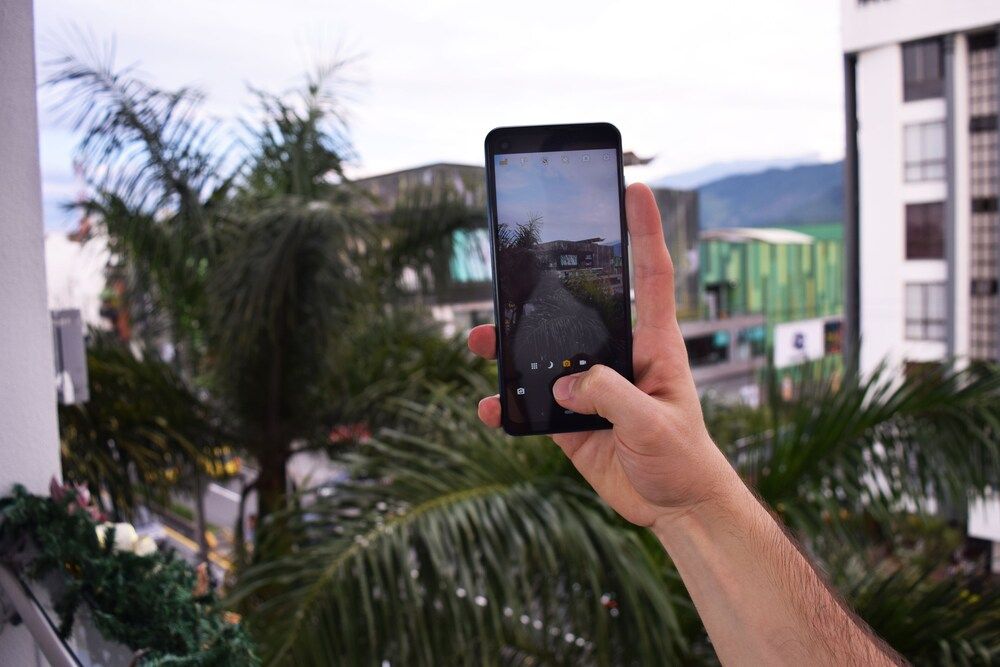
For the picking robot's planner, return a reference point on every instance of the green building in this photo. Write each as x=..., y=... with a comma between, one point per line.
x=784, y=274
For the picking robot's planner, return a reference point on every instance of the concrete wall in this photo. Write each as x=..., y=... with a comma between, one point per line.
x=29, y=440
x=882, y=115
x=29, y=443
x=881, y=22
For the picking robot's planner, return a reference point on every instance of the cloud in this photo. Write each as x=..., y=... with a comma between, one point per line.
x=693, y=82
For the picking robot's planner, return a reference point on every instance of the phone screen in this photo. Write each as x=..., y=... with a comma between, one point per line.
x=562, y=278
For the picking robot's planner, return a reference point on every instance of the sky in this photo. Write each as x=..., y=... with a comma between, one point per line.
x=690, y=83
x=576, y=198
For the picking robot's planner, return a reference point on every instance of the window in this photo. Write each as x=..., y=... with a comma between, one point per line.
x=925, y=311
x=751, y=342
x=923, y=70
x=567, y=260
x=708, y=349
x=925, y=231
x=924, y=151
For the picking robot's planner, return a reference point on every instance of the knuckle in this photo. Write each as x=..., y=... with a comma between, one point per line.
x=598, y=379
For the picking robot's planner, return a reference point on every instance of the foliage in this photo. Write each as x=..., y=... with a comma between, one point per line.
x=437, y=504
x=140, y=429
x=250, y=267
x=159, y=178
x=455, y=545
x=932, y=619
x=879, y=442
x=148, y=603
x=295, y=301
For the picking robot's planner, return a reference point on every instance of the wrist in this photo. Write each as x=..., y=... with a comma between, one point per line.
x=723, y=500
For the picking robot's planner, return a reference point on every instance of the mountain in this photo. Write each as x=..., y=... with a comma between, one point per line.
x=805, y=194
x=695, y=178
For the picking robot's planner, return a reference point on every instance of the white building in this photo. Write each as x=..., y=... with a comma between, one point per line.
x=922, y=179
x=922, y=86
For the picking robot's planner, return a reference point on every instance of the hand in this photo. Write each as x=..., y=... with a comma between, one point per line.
x=658, y=462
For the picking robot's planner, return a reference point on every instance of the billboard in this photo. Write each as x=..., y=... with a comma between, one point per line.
x=805, y=340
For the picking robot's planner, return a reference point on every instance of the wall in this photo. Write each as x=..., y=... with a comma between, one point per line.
x=679, y=213
x=883, y=267
x=29, y=443
x=781, y=281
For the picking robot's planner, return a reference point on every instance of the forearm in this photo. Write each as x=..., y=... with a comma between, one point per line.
x=759, y=598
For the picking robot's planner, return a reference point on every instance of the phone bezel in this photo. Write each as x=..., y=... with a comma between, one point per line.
x=546, y=138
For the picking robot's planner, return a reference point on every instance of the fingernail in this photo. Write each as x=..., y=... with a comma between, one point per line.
x=563, y=388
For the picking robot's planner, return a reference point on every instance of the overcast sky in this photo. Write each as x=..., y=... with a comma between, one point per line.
x=689, y=82
x=573, y=193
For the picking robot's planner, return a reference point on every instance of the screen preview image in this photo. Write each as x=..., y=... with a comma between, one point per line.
x=560, y=269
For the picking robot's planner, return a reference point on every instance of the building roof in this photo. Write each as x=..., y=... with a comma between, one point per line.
x=771, y=235
x=824, y=231
x=437, y=166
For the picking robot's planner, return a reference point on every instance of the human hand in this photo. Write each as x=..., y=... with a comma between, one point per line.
x=658, y=462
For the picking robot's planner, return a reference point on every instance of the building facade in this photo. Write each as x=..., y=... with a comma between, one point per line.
x=922, y=179
x=782, y=274
x=679, y=215
x=465, y=297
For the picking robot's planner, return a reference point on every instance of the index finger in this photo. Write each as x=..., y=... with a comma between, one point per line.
x=483, y=341
x=654, y=271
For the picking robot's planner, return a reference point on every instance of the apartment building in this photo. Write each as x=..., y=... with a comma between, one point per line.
x=922, y=180
x=922, y=83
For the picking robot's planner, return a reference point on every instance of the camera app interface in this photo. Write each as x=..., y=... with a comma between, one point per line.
x=560, y=269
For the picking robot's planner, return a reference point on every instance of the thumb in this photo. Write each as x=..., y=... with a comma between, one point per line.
x=602, y=391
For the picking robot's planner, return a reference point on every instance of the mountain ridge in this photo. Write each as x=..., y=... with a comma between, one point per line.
x=787, y=197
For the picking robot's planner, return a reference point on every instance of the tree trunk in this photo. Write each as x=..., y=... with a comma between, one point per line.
x=272, y=481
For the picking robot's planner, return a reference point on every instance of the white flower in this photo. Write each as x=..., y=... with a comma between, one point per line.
x=125, y=537
x=144, y=546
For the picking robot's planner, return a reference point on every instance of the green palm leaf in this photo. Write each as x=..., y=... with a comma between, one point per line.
x=458, y=545
x=880, y=443
x=929, y=618
x=141, y=421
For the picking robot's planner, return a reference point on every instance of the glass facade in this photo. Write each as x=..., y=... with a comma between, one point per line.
x=984, y=186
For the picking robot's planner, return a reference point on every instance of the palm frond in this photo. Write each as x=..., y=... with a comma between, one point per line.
x=140, y=424
x=878, y=443
x=150, y=143
x=455, y=545
x=288, y=281
x=302, y=143
x=930, y=619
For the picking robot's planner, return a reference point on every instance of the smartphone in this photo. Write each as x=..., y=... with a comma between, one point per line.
x=559, y=249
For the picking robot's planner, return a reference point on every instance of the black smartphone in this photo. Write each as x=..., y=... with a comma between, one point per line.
x=560, y=266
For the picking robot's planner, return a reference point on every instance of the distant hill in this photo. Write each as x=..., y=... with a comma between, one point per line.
x=695, y=178
x=806, y=194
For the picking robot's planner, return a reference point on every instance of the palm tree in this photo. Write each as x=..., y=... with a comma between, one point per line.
x=257, y=264
x=158, y=178
x=455, y=544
